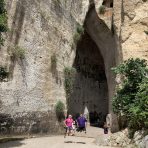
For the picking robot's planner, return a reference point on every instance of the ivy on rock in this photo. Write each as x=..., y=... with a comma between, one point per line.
x=3, y=20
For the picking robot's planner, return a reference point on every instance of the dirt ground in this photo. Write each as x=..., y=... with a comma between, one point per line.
x=80, y=140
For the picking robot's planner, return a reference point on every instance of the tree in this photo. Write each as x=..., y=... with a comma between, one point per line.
x=139, y=109
x=131, y=98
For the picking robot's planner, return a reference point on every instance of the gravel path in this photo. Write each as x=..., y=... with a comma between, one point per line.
x=81, y=140
x=52, y=142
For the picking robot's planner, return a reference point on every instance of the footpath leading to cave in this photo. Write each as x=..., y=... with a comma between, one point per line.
x=80, y=140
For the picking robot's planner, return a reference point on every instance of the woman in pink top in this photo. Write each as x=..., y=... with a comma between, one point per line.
x=68, y=123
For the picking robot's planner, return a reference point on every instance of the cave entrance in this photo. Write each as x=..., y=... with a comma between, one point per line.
x=90, y=94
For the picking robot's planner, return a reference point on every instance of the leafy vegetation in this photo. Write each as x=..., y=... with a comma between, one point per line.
x=102, y=9
x=18, y=52
x=139, y=109
x=59, y=109
x=131, y=98
x=3, y=20
x=3, y=73
x=78, y=33
x=69, y=73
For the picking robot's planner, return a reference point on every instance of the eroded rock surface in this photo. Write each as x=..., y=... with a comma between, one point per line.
x=131, y=23
x=44, y=29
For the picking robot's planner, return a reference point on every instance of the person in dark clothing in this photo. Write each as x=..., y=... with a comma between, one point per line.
x=81, y=121
x=105, y=128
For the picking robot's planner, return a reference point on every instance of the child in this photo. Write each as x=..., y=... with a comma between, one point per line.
x=74, y=127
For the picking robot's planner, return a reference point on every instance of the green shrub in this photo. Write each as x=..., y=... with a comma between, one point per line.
x=131, y=133
x=76, y=37
x=1, y=40
x=102, y=9
x=131, y=98
x=18, y=52
x=2, y=6
x=3, y=23
x=139, y=109
x=69, y=73
x=80, y=29
x=59, y=109
x=78, y=33
x=3, y=20
x=3, y=73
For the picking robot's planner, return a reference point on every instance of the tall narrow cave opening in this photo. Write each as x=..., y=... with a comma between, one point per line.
x=90, y=90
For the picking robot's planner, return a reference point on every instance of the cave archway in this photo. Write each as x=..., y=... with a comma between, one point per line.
x=104, y=55
x=90, y=86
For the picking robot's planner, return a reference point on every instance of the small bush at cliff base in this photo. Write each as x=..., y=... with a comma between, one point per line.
x=131, y=98
x=59, y=109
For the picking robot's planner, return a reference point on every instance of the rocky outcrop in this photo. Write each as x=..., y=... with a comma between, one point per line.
x=120, y=139
x=131, y=25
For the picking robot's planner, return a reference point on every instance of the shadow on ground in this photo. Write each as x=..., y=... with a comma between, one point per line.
x=12, y=144
x=74, y=142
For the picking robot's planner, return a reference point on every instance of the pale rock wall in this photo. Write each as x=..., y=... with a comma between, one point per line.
x=43, y=28
x=131, y=22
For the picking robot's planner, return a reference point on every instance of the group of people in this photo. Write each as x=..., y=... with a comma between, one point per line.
x=73, y=125
x=79, y=125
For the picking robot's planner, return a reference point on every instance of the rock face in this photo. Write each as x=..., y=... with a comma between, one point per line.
x=43, y=31
x=90, y=85
x=120, y=139
x=131, y=25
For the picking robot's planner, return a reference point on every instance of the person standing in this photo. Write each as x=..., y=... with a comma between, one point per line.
x=68, y=123
x=81, y=121
x=105, y=127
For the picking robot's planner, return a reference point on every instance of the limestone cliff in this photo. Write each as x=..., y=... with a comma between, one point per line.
x=131, y=25
x=44, y=30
